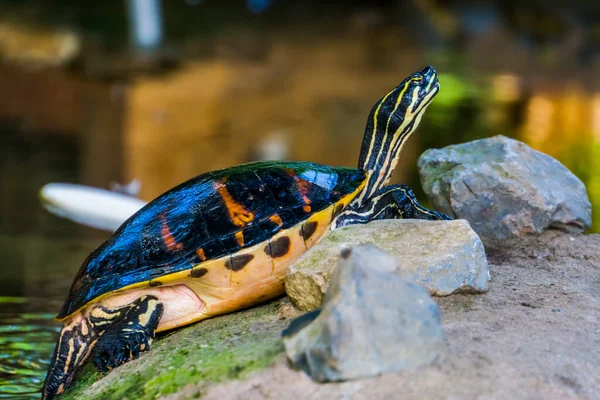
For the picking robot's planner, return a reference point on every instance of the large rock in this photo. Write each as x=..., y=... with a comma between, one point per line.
x=373, y=321
x=504, y=188
x=443, y=256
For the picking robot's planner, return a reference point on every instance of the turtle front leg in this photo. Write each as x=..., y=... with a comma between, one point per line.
x=390, y=202
x=129, y=328
x=133, y=334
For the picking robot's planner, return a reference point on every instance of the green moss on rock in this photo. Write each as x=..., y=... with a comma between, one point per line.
x=219, y=349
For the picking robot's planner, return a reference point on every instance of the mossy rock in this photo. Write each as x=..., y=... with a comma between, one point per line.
x=216, y=350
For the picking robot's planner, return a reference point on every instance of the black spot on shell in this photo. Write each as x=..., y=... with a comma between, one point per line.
x=346, y=253
x=237, y=263
x=308, y=229
x=279, y=247
x=198, y=273
x=155, y=283
x=337, y=210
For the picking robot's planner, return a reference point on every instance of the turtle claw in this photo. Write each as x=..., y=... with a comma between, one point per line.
x=117, y=347
x=105, y=361
x=126, y=340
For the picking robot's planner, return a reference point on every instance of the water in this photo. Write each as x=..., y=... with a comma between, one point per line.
x=35, y=277
x=254, y=90
x=27, y=338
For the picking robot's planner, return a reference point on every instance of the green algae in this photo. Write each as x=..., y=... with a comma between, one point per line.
x=216, y=350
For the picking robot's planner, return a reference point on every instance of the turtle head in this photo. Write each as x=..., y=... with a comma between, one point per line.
x=391, y=122
x=409, y=95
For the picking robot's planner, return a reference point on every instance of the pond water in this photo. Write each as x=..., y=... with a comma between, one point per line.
x=249, y=94
x=27, y=339
x=35, y=276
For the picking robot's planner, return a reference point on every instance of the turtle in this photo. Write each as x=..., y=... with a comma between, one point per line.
x=222, y=241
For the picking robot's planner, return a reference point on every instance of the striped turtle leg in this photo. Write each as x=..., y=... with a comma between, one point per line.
x=85, y=329
x=390, y=202
x=132, y=334
x=77, y=338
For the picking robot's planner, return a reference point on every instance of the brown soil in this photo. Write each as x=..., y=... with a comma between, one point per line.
x=535, y=335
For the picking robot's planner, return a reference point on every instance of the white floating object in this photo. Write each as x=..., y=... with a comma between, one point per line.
x=89, y=206
x=130, y=189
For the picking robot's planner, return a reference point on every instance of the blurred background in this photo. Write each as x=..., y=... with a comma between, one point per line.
x=109, y=91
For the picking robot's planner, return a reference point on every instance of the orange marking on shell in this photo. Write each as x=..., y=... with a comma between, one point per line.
x=239, y=236
x=303, y=188
x=276, y=219
x=238, y=214
x=168, y=237
x=306, y=209
x=201, y=254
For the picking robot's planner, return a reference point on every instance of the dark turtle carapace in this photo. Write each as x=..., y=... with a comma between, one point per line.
x=223, y=240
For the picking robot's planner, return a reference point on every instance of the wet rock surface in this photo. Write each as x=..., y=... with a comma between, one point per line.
x=504, y=188
x=443, y=256
x=372, y=321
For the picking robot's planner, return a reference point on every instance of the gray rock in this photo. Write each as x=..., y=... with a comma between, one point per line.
x=373, y=321
x=504, y=188
x=443, y=256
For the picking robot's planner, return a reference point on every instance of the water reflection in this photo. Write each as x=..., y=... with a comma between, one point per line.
x=27, y=338
x=35, y=276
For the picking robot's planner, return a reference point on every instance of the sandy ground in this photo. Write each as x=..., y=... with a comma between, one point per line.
x=535, y=335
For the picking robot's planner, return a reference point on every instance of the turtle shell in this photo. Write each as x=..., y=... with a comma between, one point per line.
x=207, y=217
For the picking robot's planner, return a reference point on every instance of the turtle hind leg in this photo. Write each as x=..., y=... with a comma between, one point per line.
x=77, y=338
x=131, y=335
x=390, y=202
